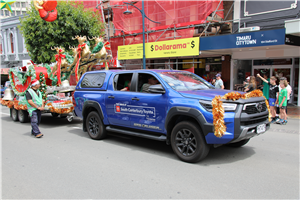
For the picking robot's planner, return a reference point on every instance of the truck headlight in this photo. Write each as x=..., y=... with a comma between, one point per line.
x=227, y=106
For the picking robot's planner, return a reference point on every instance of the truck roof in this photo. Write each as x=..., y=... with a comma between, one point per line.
x=137, y=70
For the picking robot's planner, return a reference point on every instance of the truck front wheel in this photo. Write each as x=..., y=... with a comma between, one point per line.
x=95, y=127
x=188, y=142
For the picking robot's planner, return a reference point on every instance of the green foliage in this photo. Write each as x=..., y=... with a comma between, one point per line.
x=72, y=19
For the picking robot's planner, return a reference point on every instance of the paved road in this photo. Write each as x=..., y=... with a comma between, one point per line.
x=67, y=164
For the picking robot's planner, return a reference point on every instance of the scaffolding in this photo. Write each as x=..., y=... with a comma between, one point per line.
x=178, y=19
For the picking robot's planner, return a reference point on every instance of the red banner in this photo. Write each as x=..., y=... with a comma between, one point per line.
x=18, y=85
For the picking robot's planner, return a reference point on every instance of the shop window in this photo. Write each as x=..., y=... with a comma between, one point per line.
x=17, y=4
x=287, y=61
x=11, y=37
x=23, y=5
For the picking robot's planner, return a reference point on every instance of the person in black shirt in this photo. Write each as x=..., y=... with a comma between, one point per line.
x=273, y=91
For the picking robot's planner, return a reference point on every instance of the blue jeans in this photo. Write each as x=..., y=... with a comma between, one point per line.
x=35, y=122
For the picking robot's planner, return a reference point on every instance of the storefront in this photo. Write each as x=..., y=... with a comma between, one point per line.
x=4, y=75
x=181, y=54
x=272, y=52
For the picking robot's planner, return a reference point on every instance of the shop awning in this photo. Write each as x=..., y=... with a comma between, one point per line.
x=4, y=70
x=251, y=45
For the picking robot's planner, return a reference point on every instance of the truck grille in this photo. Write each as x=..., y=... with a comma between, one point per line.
x=253, y=121
x=253, y=108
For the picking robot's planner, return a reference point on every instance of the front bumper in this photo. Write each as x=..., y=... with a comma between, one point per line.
x=240, y=125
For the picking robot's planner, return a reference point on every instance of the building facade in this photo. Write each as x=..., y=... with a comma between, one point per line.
x=13, y=50
x=18, y=8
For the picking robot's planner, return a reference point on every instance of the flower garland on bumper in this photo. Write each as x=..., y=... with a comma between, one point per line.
x=218, y=110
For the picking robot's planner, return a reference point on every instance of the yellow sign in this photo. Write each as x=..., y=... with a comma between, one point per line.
x=173, y=48
x=170, y=48
x=128, y=52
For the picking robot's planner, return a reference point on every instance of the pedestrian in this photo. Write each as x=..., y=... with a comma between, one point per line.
x=273, y=93
x=219, y=82
x=289, y=90
x=282, y=101
x=213, y=81
x=252, y=85
x=35, y=105
x=266, y=86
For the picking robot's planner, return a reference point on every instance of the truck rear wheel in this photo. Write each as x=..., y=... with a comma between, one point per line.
x=14, y=115
x=238, y=144
x=23, y=116
x=95, y=127
x=188, y=142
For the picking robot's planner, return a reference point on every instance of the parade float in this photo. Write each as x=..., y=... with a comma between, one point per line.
x=54, y=80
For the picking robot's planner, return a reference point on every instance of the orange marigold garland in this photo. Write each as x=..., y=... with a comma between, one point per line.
x=268, y=106
x=218, y=115
x=218, y=110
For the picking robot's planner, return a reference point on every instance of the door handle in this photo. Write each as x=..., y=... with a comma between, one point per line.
x=134, y=98
x=111, y=97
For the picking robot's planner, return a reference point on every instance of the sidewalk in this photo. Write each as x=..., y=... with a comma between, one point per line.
x=293, y=112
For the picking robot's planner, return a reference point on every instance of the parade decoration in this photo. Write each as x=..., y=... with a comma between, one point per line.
x=19, y=106
x=6, y=4
x=43, y=87
x=218, y=110
x=47, y=9
x=60, y=106
x=82, y=60
x=54, y=79
x=20, y=82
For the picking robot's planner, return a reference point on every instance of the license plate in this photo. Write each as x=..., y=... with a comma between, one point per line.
x=261, y=128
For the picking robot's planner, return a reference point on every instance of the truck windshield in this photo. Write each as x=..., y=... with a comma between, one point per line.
x=185, y=81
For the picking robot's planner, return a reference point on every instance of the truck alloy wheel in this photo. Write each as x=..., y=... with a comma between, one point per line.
x=14, y=115
x=188, y=142
x=23, y=116
x=95, y=127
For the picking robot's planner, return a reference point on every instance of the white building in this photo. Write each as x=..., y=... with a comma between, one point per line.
x=18, y=8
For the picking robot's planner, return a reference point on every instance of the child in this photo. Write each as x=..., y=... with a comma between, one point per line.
x=273, y=93
x=282, y=101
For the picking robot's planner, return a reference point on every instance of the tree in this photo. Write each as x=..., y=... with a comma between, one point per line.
x=72, y=19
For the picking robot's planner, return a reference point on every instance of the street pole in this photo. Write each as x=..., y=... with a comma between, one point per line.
x=127, y=12
x=143, y=14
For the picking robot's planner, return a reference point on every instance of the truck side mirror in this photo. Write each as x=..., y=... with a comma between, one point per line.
x=157, y=89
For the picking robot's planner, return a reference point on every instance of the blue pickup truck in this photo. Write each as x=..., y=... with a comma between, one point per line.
x=165, y=105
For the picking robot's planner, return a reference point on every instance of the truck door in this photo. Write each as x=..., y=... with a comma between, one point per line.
x=118, y=100
x=148, y=110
